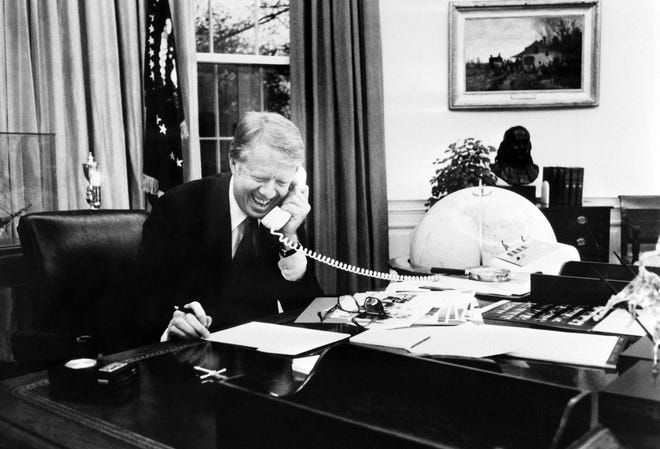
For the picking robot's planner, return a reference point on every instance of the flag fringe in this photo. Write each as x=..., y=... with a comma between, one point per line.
x=149, y=184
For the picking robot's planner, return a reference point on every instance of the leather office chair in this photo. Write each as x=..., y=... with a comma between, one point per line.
x=81, y=265
x=640, y=224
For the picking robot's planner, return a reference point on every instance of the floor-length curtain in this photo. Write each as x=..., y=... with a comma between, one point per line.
x=67, y=64
x=74, y=68
x=337, y=101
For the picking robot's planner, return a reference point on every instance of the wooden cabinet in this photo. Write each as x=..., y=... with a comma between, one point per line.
x=586, y=228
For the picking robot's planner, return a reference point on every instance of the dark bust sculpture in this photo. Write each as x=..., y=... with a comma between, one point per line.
x=513, y=162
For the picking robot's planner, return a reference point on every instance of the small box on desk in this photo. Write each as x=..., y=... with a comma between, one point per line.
x=560, y=289
x=630, y=406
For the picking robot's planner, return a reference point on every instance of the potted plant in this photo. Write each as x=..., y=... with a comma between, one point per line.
x=463, y=165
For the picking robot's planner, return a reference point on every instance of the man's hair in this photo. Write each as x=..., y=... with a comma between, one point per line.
x=270, y=129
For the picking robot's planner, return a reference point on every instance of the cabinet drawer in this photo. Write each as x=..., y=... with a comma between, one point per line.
x=586, y=228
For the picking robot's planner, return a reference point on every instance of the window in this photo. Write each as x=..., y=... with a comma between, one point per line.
x=242, y=65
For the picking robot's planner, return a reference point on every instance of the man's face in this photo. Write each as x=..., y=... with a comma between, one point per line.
x=261, y=180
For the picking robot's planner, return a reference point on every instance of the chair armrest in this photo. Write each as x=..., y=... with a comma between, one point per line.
x=35, y=350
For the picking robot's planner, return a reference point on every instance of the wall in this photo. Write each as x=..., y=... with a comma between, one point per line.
x=617, y=142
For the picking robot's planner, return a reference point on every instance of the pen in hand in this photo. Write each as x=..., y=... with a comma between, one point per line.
x=186, y=309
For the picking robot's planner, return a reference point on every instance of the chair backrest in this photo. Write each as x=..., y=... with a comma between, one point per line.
x=81, y=264
x=640, y=222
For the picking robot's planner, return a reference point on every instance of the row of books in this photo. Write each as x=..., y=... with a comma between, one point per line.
x=565, y=185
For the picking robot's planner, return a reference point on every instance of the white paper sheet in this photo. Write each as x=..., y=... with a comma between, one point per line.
x=574, y=348
x=275, y=338
x=466, y=340
x=619, y=321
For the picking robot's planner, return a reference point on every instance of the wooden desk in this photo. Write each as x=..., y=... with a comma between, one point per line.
x=356, y=397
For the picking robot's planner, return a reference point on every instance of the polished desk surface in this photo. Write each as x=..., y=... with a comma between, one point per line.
x=173, y=408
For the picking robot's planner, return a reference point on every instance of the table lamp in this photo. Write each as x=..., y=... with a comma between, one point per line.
x=92, y=173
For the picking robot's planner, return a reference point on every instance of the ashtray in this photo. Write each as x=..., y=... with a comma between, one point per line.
x=489, y=274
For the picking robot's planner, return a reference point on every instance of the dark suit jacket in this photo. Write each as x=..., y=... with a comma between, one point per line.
x=186, y=256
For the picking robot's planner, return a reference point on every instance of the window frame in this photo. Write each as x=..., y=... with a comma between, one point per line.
x=210, y=57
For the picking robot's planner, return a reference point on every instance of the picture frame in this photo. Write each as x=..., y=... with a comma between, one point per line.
x=524, y=54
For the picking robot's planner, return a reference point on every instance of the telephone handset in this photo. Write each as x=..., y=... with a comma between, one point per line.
x=277, y=218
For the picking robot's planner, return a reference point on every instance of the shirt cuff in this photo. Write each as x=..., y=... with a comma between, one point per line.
x=293, y=267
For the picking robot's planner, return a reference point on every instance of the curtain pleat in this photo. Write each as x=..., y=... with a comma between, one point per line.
x=107, y=121
x=3, y=77
x=184, y=29
x=131, y=44
x=20, y=166
x=73, y=136
x=337, y=102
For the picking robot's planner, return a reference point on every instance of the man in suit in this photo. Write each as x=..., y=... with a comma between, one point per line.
x=203, y=247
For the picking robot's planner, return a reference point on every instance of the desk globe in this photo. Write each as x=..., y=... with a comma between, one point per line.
x=449, y=234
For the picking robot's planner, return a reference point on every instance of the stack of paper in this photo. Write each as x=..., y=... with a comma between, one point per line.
x=473, y=340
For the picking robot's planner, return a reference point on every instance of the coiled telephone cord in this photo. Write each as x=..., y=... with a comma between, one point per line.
x=349, y=268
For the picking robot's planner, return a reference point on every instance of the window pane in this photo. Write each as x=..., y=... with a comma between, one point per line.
x=206, y=81
x=201, y=8
x=227, y=91
x=214, y=156
x=274, y=28
x=224, y=155
x=233, y=26
x=209, y=156
x=277, y=86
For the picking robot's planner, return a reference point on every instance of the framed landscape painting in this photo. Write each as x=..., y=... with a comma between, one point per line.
x=523, y=54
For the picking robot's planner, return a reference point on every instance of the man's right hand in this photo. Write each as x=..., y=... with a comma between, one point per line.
x=188, y=325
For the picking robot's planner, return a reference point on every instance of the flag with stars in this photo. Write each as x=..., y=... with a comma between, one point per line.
x=165, y=125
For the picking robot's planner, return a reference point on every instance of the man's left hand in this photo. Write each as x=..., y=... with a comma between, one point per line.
x=297, y=204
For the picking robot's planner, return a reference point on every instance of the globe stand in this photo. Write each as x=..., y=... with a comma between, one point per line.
x=481, y=194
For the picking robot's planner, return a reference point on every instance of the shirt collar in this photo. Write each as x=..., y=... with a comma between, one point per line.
x=235, y=212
